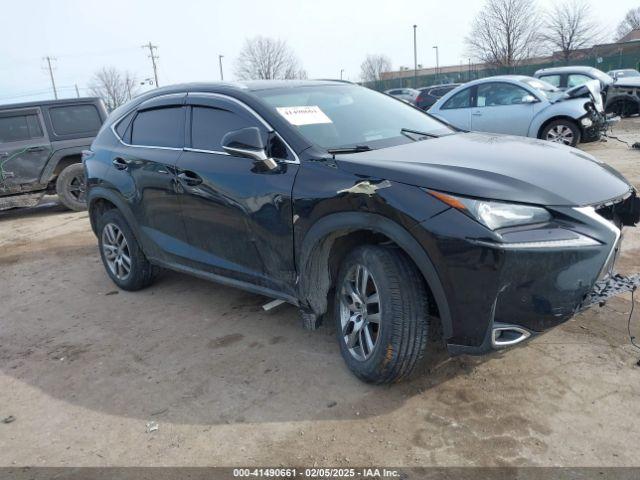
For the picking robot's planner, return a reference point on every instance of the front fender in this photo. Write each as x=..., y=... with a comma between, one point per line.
x=573, y=109
x=316, y=246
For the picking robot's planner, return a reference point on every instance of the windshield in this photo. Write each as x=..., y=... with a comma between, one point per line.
x=627, y=73
x=343, y=116
x=547, y=90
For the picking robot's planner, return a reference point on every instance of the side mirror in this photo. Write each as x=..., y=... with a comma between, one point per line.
x=247, y=142
x=529, y=99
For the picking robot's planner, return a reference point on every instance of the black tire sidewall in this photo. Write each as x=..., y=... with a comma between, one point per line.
x=377, y=367
x=577, y=134
x=62, y=187
x=140, y=267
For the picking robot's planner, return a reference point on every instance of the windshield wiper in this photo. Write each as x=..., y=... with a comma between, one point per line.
x=354, y=149
x=407, y=132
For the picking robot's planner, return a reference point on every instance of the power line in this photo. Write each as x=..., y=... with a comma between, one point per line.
x=153, y=58
x=53, y=82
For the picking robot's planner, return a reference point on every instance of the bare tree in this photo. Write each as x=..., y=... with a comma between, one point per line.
x=569, y=26
x=505, y=32
x=263, y=58
x=630, y=22
x=373, y=66
x=114, y=87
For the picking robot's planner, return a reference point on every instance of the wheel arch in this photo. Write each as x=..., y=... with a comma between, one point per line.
x=553, y=119
x=100, y=199
x=332, y=237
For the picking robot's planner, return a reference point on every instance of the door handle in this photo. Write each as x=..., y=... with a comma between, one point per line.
x=190, y=178
x=36, y=149
x=476, y=114
x=120, y=163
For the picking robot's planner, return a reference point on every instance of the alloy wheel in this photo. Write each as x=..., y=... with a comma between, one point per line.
x=560, y=134
x=77, y=188
x=360, y=312
x=116, y=251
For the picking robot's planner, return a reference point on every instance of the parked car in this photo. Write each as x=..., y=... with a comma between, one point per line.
x=621, y=96
x=623, y=73
x=358, y=209
x=407, y=94
x=430, y=95
x=40, y=150
x=525, y=106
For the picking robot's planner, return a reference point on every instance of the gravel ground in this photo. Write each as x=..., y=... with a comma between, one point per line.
x=84, y=368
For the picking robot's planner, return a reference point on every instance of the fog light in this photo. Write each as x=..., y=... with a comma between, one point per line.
x=586, y=122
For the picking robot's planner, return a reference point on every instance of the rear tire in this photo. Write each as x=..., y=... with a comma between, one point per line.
x=70, y=187
x=121, y=254
x=383, y=324
x=562, y=131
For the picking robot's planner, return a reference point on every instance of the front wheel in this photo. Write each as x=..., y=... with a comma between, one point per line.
x=382, y=317
x=562, y=131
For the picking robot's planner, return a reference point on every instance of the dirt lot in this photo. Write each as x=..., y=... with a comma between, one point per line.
x=84, y=367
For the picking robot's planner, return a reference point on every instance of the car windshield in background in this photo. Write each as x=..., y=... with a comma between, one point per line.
x=545, y=88
x=344, y=116
x=628, y=73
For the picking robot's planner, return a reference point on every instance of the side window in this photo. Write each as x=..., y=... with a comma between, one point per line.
x=122, y=128
x=500, y=94
x=75, y=119
x=459, y=100
x=209, y=125
x=18, y=128
x=575, y=79
x=161, y=127
x=552, y=79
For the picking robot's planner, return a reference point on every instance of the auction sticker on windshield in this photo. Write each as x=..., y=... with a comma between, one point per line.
x=304, y=115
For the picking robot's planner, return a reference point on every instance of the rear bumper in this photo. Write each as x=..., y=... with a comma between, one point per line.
x=533, y=289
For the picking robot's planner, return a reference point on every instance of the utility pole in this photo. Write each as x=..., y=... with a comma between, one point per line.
x=153, y=58
x=437, y=65
x=53, y=82
x=220, y=57
x=341, y=72
x=415, y=58
x=77, y=91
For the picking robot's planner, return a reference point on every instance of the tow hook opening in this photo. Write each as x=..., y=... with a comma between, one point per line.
x=508, y=335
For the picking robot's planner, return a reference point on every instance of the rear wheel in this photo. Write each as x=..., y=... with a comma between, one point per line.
x=121, y=254
x=70, y=187
x=562, y=131
x=381, y=311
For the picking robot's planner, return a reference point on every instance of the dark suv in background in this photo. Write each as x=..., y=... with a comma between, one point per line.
x=41, y=146
x=430, y=95
x=358, y=208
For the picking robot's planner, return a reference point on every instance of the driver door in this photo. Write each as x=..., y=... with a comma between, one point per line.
x=500, y=109
x=238, y=216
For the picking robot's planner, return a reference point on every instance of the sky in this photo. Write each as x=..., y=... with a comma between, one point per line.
x=327, y=35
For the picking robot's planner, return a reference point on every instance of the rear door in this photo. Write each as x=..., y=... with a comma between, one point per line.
x=238, y=216
x=144, y=170
x=24, y=150
x=500, y=109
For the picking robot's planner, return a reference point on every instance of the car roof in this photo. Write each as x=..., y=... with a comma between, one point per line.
x=48, y=103
x=567, y=69
x=429, y=87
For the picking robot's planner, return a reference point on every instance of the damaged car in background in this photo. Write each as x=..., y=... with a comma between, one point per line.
x=361, y=211
x=525, y=106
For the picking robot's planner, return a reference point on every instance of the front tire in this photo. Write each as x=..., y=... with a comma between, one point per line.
x=122, y=257
x=381, y=310
x=562, y=131
x=70, y=187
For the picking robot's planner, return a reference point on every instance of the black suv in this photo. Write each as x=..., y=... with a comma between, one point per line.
x=356, y=207
x=41, y=144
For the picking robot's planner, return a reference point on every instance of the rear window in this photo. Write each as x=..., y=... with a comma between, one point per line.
x=75, y=119
x=18, y=128
x=161, y=127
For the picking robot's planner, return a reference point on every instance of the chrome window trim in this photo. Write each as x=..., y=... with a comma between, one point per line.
x=256, y=115
x=215, y=152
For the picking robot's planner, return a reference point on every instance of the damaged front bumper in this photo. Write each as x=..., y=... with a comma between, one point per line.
x=500, y=294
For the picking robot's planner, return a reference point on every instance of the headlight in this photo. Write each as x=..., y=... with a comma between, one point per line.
x=495, y=215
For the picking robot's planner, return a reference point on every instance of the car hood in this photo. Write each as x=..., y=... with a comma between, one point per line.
x=498, y=167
